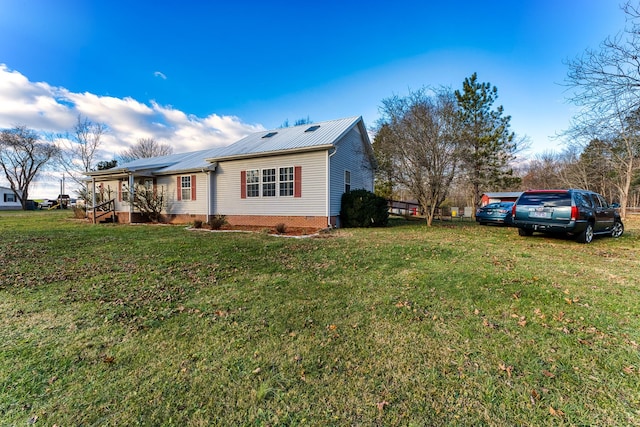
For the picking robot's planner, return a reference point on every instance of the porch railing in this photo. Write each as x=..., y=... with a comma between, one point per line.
x=104, y=209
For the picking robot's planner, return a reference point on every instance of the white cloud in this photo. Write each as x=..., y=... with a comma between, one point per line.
x=160, y=74
x=50, y=109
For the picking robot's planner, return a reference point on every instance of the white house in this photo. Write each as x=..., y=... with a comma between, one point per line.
x=294, y=176
x=9, y=199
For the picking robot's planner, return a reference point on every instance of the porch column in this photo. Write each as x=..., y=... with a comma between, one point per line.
x=131, y=192
x=93, y=198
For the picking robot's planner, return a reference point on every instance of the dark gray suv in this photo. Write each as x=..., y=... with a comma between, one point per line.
x=580, y=213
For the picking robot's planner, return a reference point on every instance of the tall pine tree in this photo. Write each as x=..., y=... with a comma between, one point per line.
x=489, y=145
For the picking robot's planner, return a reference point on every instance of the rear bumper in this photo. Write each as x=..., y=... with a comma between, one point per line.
x=573, y=227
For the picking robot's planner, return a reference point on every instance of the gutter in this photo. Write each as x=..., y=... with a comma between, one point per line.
x=271, y=153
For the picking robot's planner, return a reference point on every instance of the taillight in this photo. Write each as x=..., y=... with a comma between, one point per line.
x=513, y=211
x=574, y=213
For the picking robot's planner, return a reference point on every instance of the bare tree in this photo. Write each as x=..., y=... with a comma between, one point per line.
x=606, y=84
x=144, y=149
x=543, y=171
x=22, y=156
x=299, y=122
x=79, y=148
x=421, y=141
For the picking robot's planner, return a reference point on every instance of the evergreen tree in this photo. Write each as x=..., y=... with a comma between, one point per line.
x=489, y=145
x=383, y=148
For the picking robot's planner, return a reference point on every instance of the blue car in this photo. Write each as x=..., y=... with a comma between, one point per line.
x=495, y=213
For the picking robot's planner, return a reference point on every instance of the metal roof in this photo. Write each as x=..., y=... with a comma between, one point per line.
x=296, y=138
x=313, y=136
x=504, y=194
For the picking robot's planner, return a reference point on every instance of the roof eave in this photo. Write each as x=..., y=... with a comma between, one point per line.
x=208, y=168
x=271, y=153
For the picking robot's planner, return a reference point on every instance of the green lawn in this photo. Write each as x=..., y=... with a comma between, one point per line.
x=406, y=325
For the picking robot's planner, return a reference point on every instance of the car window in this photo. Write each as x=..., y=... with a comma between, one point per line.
x=595, y=200
x=583, y=200
x=603, y=202
x=546, y=199
x=492, y=205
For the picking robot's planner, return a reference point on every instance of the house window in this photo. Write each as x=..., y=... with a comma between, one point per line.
x=124, y=191
x=271, y=182
x=268, y=182
x=347, y=181
x=148, y=184
x=253, y=183
x=286, y=181
x=10, y=197
x=185, y=188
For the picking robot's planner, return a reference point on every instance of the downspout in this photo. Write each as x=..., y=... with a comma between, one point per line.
x=210, y=211
x=328, y=186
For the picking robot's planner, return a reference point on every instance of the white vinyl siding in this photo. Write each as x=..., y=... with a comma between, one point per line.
x=227, y=197
x=175, y=206
x=350, y=156
x=168, y=184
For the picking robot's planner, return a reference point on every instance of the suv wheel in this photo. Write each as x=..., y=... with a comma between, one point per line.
x=617, y=230
x=587, y=235
x=524, y=232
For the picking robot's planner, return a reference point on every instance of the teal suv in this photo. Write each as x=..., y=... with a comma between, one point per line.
x=580, y=213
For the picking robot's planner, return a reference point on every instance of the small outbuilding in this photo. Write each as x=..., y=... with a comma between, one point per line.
x=507, y=196
x=9, y=199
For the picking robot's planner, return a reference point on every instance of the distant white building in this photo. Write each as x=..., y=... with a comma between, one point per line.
x=9, y=199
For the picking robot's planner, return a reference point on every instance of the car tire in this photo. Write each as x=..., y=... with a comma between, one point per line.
x=524, y=232
x=587, y=234
x=618, y=229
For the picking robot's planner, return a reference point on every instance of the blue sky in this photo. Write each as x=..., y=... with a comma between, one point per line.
x=204, y=73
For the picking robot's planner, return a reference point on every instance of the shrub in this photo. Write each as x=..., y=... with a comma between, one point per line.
x=197, y=223
x=79, y=213
x=149, y=201
x=217, y=222
x=281, y=228
x=362, y=208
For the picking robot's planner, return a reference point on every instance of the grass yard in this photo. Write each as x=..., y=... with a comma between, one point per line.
x=407, y=325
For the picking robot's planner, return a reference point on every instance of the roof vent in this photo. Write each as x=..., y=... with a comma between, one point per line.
x=312, y=128
x=270, y=134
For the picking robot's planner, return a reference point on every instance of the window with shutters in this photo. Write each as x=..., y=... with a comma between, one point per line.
x=185, y=187
x=253, y=183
